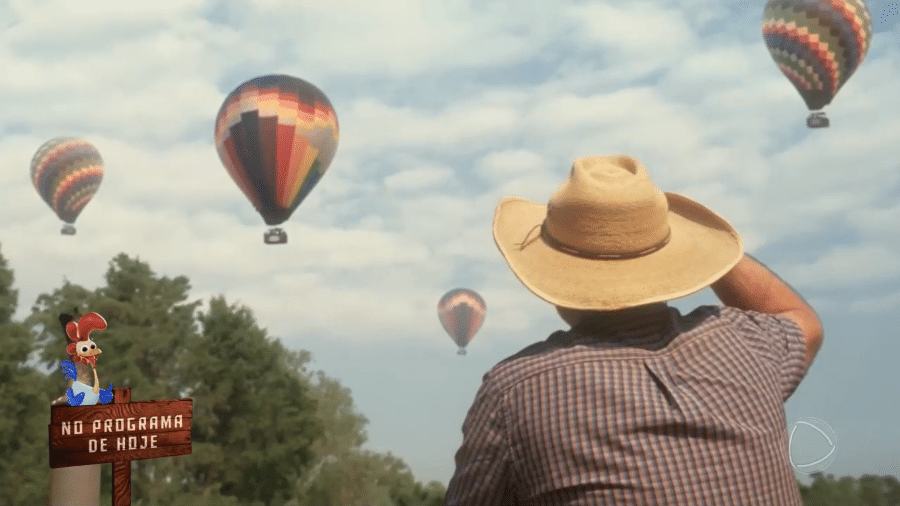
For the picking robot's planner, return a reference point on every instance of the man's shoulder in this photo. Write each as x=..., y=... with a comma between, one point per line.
x=532, y=350
x=541, y=355
x=728, y=315
x=712, y=315
x=522, y=363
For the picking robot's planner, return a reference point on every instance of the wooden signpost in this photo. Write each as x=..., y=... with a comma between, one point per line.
x=119, y=432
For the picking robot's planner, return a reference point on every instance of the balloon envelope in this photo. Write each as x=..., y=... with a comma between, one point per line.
x=462, y=312
x=276, y=136
x=817, y=44
x=67, y=173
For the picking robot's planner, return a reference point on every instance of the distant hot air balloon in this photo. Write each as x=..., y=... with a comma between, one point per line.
x=462, y=312
x=276, y=136
x=818, y=45
x=67, y=173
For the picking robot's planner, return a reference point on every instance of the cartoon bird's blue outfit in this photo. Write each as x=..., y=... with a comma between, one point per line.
x=80, y=394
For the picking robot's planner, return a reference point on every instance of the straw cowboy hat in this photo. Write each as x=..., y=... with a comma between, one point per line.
x=610, y=239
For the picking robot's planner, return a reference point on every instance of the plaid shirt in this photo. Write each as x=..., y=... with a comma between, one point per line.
x=671, y=410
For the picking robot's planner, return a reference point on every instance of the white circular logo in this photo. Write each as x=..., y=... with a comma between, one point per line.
x=811, y=445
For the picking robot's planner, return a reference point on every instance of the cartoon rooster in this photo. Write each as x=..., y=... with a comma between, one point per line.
x=83, y=350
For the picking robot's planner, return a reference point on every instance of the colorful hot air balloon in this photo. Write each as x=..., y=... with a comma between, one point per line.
x=67, y=173
x=462, y=312
x=818, y=45
x=276, y=136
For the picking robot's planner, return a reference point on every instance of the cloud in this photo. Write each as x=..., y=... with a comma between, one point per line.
x=847, y=265
x=638, y=31
x=877, y=223
x=425, y=156
x=423, y=175
x=90, y=21
x=401, y=38
x=500, y=166
x=876, y=305
x=468, y=125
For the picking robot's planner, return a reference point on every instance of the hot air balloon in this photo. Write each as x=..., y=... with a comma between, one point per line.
x=818, y=45
x=462, y=312
x=67, y=173
x=276, y=136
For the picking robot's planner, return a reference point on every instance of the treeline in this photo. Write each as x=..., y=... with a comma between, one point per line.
x=266, y=430
x=868, y=490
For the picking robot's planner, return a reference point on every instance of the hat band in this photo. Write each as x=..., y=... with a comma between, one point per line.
x=600, y=256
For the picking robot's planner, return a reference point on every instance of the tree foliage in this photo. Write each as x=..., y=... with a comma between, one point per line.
x=868, y=490
x=24, y=413
x=265, y=430
x=256, y=415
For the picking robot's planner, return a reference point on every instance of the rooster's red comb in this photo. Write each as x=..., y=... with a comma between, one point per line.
x=88, y=323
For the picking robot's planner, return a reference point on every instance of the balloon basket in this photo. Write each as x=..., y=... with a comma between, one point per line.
x=275, y=236
x=461, y=352
x=817, y=120
x=67, y=230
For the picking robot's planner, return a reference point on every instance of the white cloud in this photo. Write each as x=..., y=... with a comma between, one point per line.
x=384, y=195
x=421, y=175
x=91, y=21
x=395, y=37
x=877, y=305
x=638, y=31
x=372, y=125
x=500, y=166
x=718, y=67
x=849, y=266
x=877, y=224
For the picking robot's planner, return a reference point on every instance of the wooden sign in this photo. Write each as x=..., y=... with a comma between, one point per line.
x=119, y=433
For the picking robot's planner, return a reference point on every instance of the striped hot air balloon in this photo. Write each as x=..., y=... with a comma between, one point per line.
x=462, y=313
x=276, y=136
x=67, y=173
x=818, y=45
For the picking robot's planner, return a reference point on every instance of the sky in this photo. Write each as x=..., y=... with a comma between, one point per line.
x=445, y=107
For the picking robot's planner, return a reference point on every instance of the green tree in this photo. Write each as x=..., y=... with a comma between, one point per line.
x=255, y=422
x=344, y=472
x=265, y=430
x=24, y=407
x=432, y=494
x=877, y=490
x=868, y=490
x=335, y=478
x=393, y=475
x=149, y=325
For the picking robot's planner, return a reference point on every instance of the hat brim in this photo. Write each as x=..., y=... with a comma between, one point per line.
x=702, y=248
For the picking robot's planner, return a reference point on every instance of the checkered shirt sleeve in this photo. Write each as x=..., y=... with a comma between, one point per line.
x=778, y=341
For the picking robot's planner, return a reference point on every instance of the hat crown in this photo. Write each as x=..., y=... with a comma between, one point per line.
x=608, y=206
